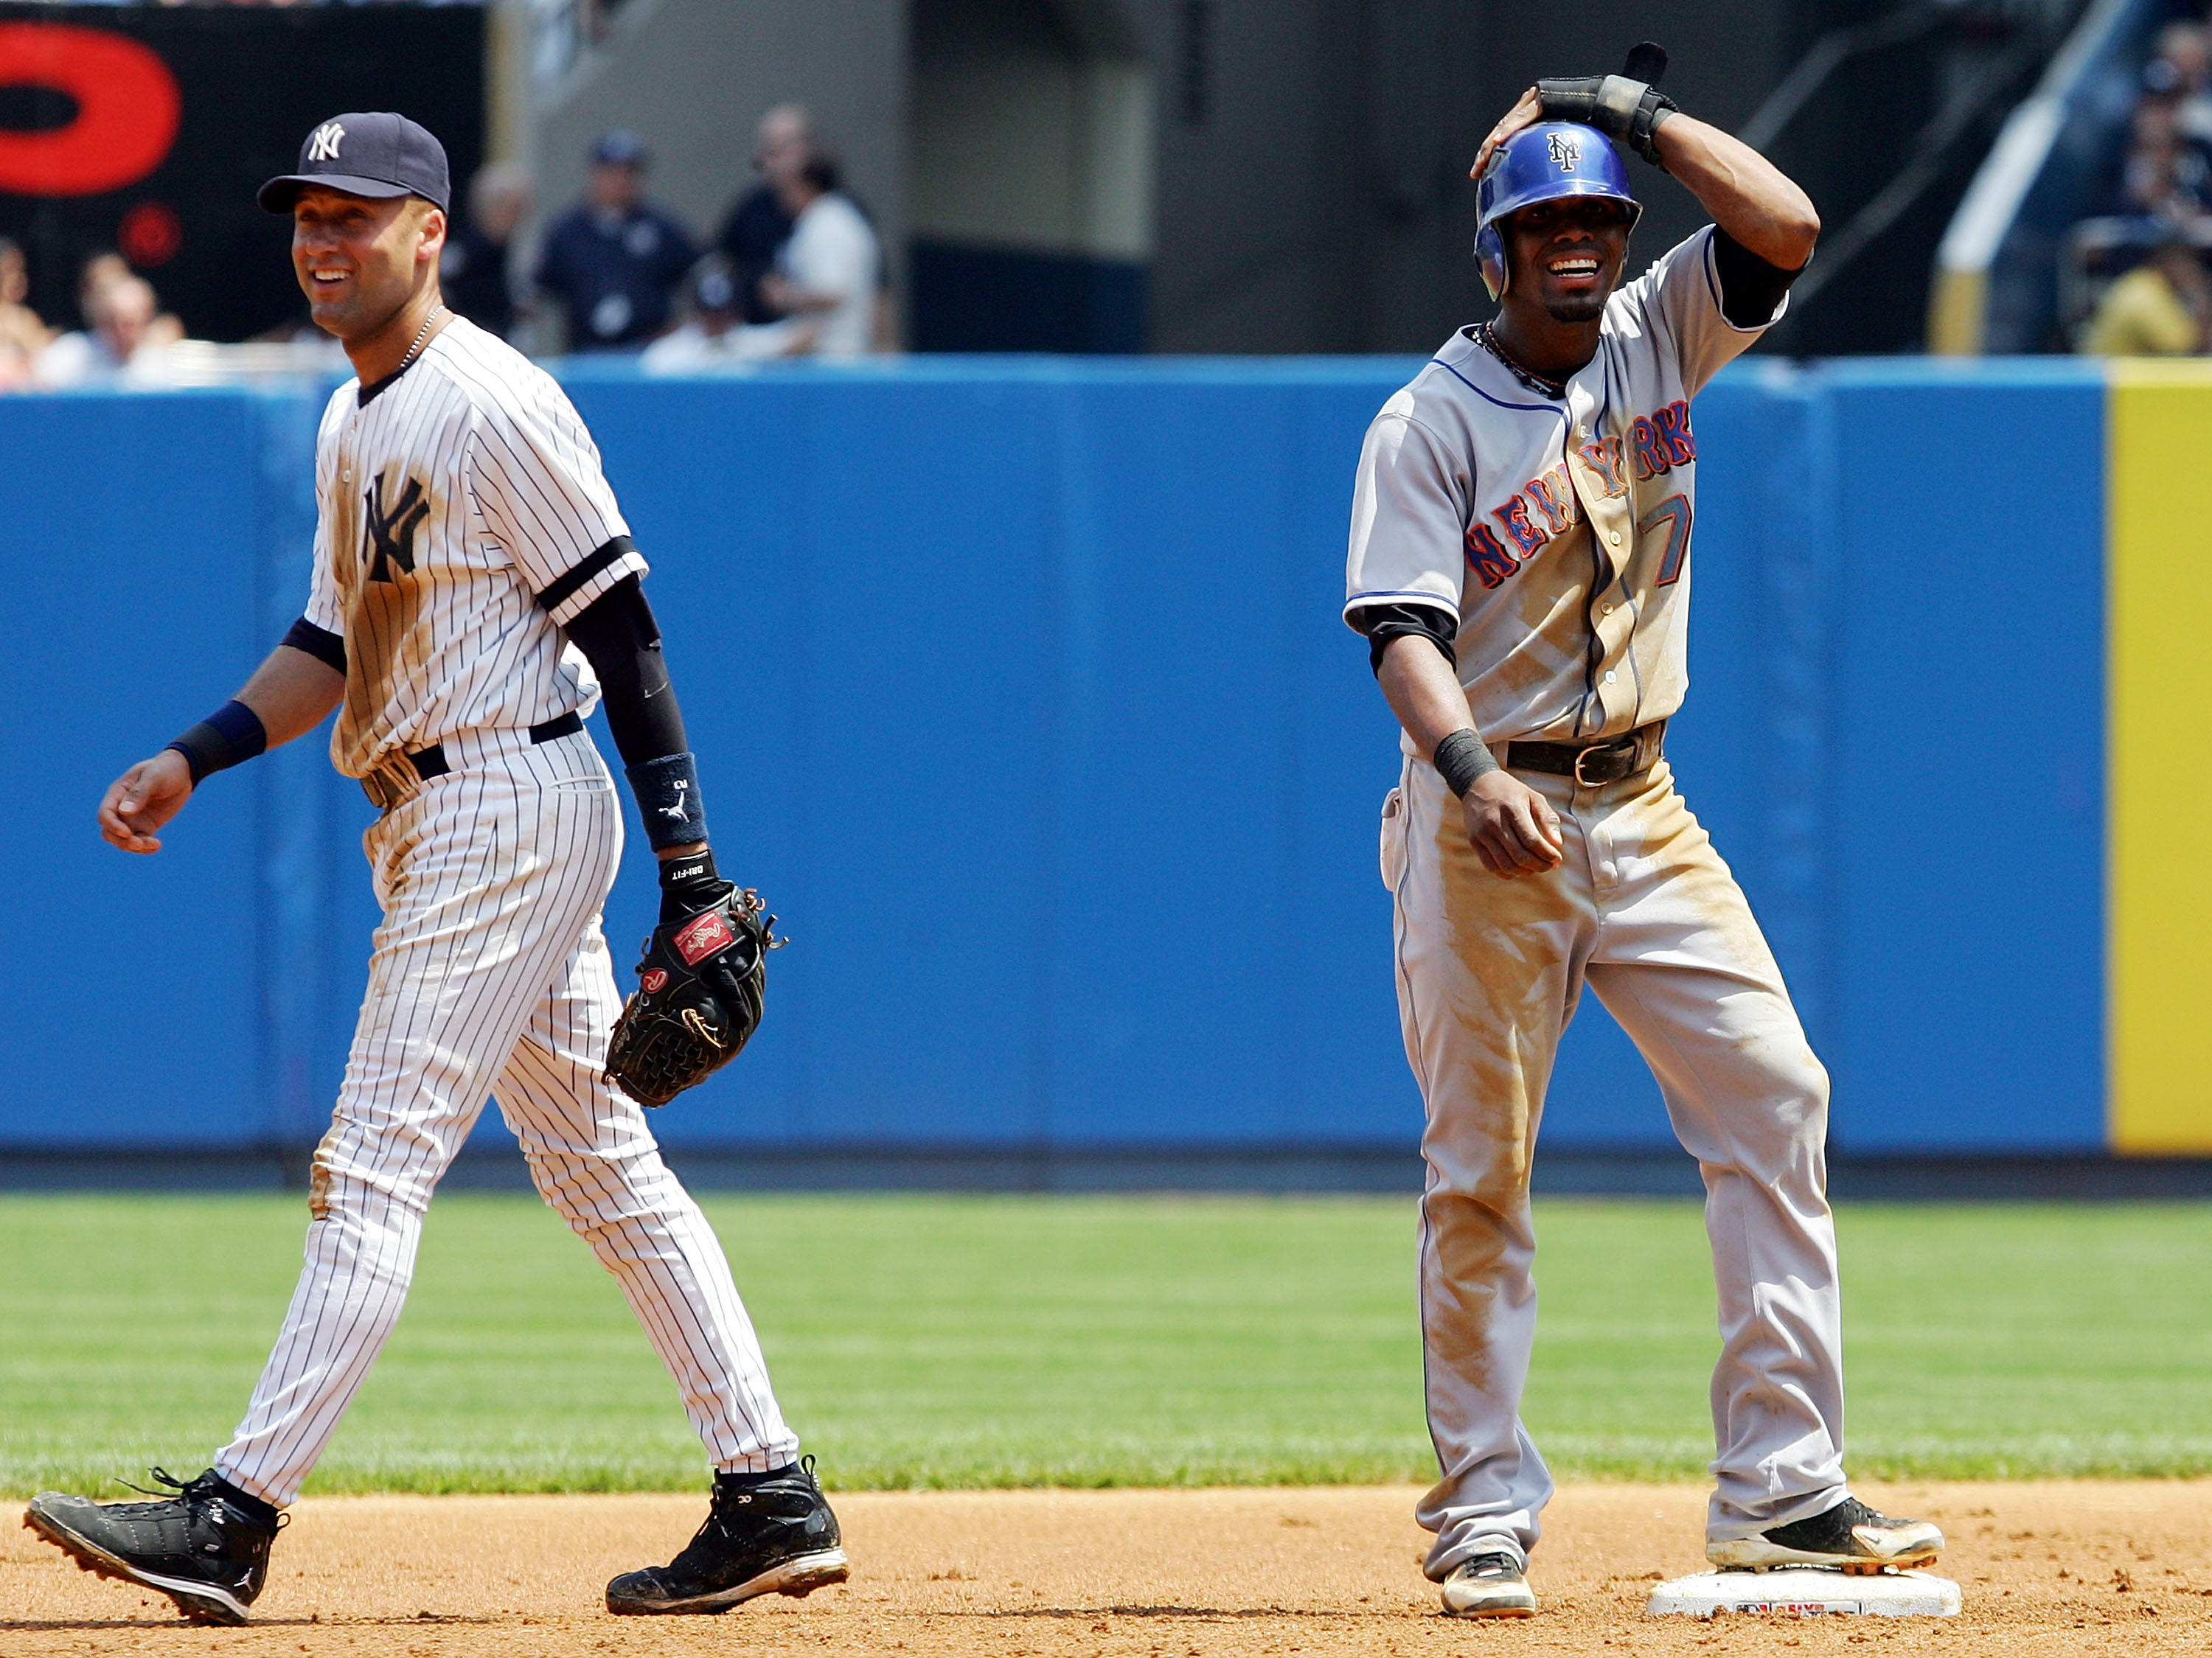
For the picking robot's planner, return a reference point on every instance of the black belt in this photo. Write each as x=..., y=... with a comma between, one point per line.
x=431, y=761
x=1590, y=763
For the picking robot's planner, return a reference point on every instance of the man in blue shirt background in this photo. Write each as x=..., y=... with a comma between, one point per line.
x=614, y=260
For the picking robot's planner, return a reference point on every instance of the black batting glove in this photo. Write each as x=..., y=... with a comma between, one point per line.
x=1626, y=106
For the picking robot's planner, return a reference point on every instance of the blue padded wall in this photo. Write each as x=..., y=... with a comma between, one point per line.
x=1062, y=767
x=1020, y=689
x=1967, y=710
x=131, y=1012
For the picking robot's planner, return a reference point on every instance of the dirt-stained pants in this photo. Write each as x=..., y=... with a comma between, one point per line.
x=1489, y=973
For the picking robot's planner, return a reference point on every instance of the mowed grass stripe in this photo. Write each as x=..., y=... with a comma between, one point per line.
x=941, y=1341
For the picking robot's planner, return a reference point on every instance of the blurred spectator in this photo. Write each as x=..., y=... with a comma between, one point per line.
x=614, y=260
x=759, y=225
x=475, y=271
x=104, y=269
x=2179, y=73
x=119, y=350
x=2167, y=174
x=714, y=336
x=826, y=275
x=2161, y=308
x=22, y=336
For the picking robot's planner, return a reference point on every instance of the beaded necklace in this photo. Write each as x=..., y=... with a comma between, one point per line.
x=1487, y=339
x=423, y=333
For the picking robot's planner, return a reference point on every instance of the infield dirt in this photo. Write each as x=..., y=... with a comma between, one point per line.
x=2046, y=1568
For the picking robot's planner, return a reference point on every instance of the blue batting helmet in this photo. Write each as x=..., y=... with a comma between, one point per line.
x=1542, y=163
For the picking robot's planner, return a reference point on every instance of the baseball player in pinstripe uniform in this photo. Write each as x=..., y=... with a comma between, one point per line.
x=475, y=594
x=1520, y=562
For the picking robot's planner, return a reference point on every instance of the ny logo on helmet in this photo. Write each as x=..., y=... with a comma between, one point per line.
x=1566, y=151
x=322, y=141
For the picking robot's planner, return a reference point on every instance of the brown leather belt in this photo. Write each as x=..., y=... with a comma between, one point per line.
x=1590, y=764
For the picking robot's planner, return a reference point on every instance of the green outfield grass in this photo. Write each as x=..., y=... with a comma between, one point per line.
x=959, y=1341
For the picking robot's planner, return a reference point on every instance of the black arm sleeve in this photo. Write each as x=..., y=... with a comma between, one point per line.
x=617, y=632
x=1750, y=288
x=1383, y=622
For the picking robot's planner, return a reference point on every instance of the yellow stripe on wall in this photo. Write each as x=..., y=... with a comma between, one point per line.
x=2158, y=756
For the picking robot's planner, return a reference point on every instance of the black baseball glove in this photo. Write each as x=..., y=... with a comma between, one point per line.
x=1628, y=106
x=698, y=998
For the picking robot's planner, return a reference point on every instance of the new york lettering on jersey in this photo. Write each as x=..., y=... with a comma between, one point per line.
x=1546, y=506
x=465, y=518
x=1556, y=534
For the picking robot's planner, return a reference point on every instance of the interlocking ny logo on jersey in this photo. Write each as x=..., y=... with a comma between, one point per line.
x=322, y=141
x=392, y=527
x=1566, y=151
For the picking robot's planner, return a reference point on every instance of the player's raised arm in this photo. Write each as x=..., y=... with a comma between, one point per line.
x=288, y=695
x=1750, y=197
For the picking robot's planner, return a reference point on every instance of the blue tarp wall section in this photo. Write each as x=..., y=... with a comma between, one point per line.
x=1019, y=687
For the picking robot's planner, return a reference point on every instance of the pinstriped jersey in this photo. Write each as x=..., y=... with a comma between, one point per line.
x=462, y=520
x=1555, y=533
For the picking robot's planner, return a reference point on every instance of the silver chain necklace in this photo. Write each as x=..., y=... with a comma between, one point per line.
x=421, y=334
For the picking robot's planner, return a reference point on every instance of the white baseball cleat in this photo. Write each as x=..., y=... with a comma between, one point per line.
x=1488, y=1586
x=1849, y=1537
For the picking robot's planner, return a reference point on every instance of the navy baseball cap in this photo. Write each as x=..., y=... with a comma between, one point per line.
x=377, y=154
x=620, y=148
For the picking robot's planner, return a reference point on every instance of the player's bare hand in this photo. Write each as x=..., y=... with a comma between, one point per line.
x=143, y=798
x=1526, y=113
x=1512, y=827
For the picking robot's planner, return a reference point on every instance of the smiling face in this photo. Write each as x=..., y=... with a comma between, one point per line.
x=1565, y=256
x=360, y=261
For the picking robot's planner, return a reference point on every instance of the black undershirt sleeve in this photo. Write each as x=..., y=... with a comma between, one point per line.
x=1750, y=288
x=326, y=646
x=617, y=634
x=1383, y=622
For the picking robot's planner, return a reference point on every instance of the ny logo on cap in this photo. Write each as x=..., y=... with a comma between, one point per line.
x=1566, y=151
x=322, y=141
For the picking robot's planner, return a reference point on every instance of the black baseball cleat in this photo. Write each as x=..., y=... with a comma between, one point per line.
x=206, y=1548
x=765, y=1534
x=1850, y=1537
x=1489, y=1586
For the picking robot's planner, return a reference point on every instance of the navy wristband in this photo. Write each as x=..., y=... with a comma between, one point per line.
x=667, y=790
x=231, y=734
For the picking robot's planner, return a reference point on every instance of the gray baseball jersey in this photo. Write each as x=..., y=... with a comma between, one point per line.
x=1554, y=535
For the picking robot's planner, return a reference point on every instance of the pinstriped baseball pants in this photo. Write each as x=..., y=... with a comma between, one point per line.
x=1645, y=913
x=490, y=974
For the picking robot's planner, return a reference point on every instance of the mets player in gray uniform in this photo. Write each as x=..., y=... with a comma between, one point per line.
x=1521, y=556
x=475, y=594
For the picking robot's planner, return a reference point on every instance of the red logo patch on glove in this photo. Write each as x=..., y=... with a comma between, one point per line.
x=701, y=936
x=651, y=980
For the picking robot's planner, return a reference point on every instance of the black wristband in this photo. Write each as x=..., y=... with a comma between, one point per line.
x=1463, y=759
x=667, y=790
x=232, y=734
x=1643, y=134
